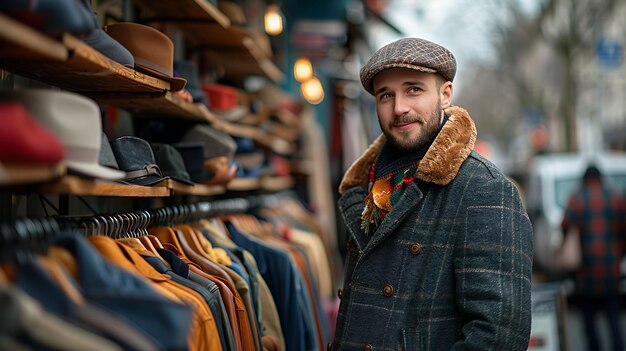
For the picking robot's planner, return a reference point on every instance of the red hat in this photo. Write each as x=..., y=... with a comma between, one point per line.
x=24, y=140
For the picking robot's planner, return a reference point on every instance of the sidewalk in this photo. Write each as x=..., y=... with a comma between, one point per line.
x=576, y=337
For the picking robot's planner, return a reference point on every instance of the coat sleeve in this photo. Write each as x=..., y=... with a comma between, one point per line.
x=493, y=267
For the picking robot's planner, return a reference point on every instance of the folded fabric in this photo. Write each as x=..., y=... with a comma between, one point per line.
x=23, y=316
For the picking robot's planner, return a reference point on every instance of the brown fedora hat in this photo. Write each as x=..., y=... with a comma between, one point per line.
x=152, y=50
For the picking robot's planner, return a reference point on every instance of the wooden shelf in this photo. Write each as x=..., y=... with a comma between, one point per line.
x=272, y=142
x=244, y=184
x=207, y=28
x=269, y=183
x=19, y=42
x=200, y=11
x=156, y=105
x=277, y=183
x=236, y=51
x=240, y=64
x=68, y=63
x=17, y=175
x=73, y=185
x=177, y=187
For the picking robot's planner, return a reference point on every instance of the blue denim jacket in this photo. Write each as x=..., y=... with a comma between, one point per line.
x=449, y=267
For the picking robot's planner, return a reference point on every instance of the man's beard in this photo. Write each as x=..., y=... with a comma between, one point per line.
x=428, y=133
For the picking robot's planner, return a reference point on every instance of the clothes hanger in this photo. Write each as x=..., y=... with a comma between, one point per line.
x=145, y=241
x=153, y=239
x=128, y=236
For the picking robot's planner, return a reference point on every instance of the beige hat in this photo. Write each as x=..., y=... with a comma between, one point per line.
x=75, y=120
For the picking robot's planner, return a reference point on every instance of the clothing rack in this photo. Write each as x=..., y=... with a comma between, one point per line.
x=24, y=237
x=35, y=233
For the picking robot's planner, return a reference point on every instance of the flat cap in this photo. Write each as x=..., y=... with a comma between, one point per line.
x=413, y=53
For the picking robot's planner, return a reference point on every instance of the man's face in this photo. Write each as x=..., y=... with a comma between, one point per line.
x=410, y=106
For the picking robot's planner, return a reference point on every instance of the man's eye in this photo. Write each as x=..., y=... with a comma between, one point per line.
x=384, y=96
x=415, y=89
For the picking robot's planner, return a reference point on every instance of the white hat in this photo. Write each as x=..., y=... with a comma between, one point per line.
x=75, y=120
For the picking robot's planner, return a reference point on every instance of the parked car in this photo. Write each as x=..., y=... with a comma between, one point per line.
x=551, y=180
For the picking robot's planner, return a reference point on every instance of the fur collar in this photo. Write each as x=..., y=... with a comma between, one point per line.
x=442, y=161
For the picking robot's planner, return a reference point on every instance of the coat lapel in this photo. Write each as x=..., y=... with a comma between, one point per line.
x=350, y=207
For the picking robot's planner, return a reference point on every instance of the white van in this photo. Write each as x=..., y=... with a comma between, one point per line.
x=551, y=181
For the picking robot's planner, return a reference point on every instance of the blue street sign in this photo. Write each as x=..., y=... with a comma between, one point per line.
x=609, y=53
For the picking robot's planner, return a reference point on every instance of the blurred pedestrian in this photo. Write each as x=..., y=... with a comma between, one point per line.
x=598, y=213
x=439, y=254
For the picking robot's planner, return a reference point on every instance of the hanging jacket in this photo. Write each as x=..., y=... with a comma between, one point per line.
x=449, y=267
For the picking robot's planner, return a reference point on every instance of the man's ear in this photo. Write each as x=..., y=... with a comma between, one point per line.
x=446, y=94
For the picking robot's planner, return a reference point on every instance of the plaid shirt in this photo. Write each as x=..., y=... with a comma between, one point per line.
x=600, y=216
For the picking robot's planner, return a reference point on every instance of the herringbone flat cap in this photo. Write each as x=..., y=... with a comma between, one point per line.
x=414, y=53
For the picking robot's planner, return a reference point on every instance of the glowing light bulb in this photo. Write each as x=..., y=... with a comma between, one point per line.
x=312, y=90
x=273, y=20
x=302, y=69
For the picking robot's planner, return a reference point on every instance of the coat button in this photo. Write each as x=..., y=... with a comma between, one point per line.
x=368, y=347
x=340, y=293
x=416, y=248
x=329, y=346
x=388, y=290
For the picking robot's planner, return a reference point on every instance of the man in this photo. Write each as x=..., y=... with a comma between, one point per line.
x=599, y=215
x=439, y=254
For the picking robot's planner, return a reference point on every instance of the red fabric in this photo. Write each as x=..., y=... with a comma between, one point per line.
x=24, y=140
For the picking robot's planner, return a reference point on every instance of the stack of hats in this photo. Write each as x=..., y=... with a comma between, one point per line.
x=171, y=162
x=72, y=119
x=47, y=127
x=26, y=146
x=218, y=150
x=135, y=157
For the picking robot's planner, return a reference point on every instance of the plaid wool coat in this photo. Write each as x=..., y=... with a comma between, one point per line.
x=449, y=268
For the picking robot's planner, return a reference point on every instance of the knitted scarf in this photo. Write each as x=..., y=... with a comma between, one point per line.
x=392, y=171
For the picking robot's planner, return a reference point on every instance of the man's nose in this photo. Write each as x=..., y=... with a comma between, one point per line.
x=401, y=106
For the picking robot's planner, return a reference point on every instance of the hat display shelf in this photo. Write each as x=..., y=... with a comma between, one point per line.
x=278, y=145
x=68, y=63
x=238, y=51
x=201, y=11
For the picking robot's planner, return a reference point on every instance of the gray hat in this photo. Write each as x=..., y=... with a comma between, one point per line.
x=135, y=157
x=216, y=143
x=413, y=53
x=171, y=162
